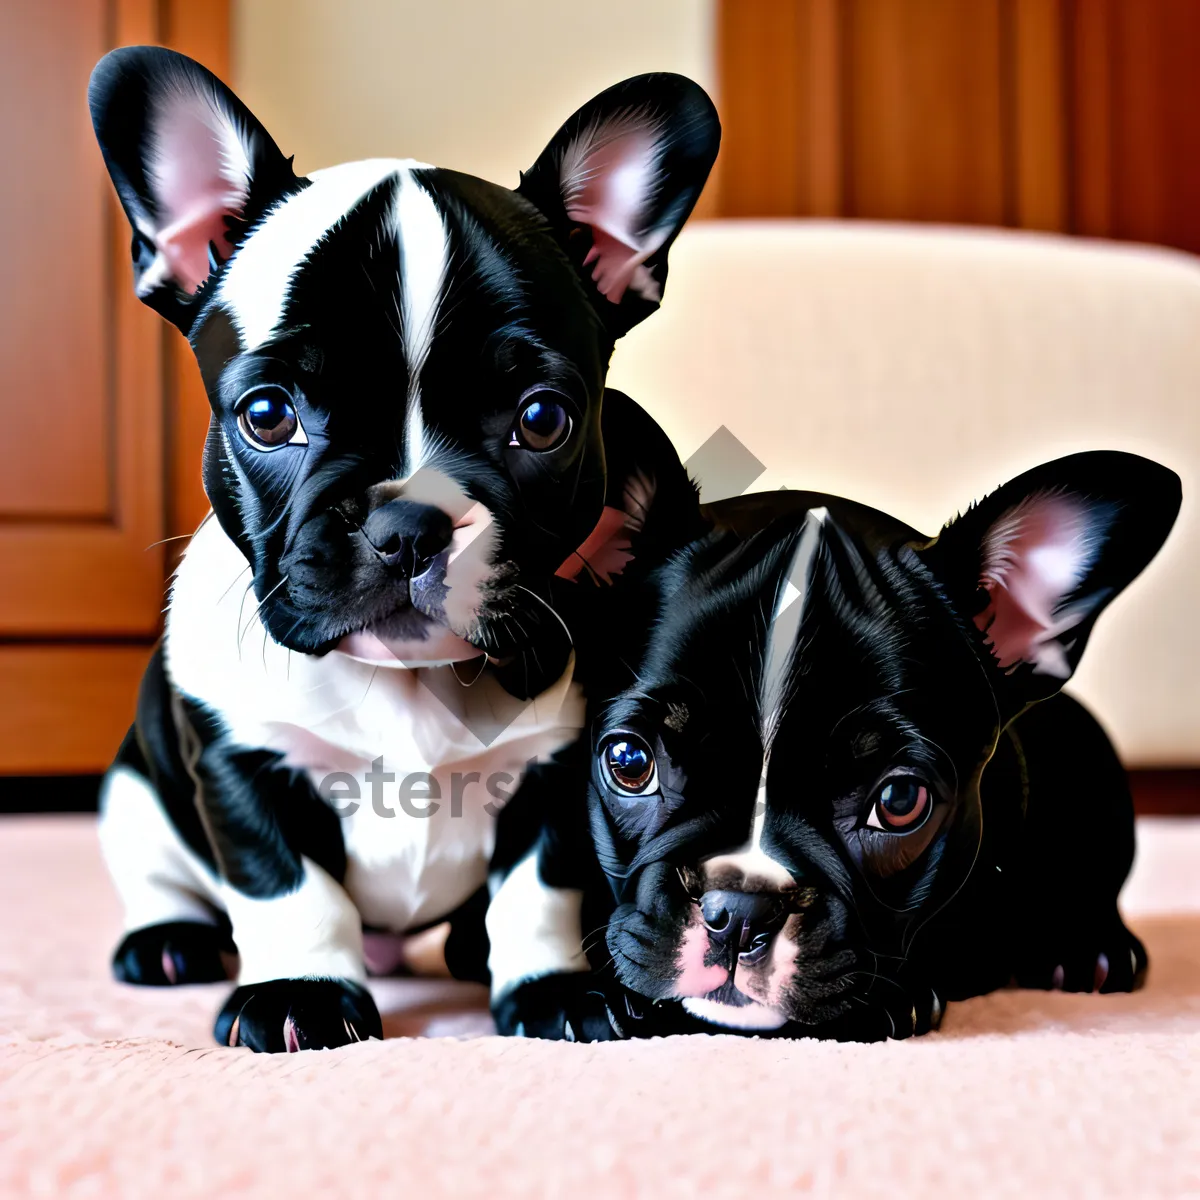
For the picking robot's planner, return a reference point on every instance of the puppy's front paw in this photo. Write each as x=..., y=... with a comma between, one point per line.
x=889, y=1011
x=172, y=953
x=566, y=1007
x=1115, y=962
x=298, y=1014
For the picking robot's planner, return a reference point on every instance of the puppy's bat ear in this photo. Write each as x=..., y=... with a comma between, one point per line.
x=617, y=182
x=1034, y=565
x=651, y=506
x=192, y=167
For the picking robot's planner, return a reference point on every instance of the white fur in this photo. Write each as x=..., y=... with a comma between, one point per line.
x=313, y=932
x=534, y=929
x=471, y=558
x=157, y=876
x=424, y=256
x=782, y=635
x=784, y=629
x=335, y=713
x=255, y=286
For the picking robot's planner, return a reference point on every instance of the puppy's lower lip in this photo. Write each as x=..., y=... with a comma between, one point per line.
x=741, y=1016
x=405, y=637
x=440, y=646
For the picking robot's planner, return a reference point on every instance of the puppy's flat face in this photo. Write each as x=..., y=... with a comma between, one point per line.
x=413, y=400
x=792, y=788
x=771, y=864
x=405, y=364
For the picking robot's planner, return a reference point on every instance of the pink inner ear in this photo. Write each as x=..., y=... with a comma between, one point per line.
x=604, y=553
x=608, y=549
x=199, y=173
x=1034, y=556
x=608, y=177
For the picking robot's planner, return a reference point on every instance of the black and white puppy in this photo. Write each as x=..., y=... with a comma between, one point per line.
x=412, y=463
x=843, y=788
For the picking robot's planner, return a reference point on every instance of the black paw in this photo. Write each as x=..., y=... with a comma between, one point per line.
x=172, y=953
x=568, y=1008
x=888, y=1011
x=283, y=1015
x=1115, y=962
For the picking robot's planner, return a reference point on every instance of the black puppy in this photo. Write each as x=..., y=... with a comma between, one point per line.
x=411, y=455
x=843, y=788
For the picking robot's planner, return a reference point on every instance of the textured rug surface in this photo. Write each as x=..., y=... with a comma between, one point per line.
x=108, y=1090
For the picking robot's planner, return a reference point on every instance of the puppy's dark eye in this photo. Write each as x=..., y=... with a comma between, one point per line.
x=542, y=423
x=630, y=764
x=900, y=805
x=267, y=418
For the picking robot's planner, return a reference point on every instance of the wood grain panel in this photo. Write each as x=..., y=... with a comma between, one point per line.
x=91, y=565
x=925, y=113
x=66, y=708
x=1166, y=792
x=1038, y=154
x=1090, y=102
x=1156, y=122
x=92, y=562
x=81, y=565
x=761, y=169
x=1078, y=116
x=787, y=155
x=54, y=340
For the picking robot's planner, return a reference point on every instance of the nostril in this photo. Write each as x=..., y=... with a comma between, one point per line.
x=391, y=545
x=436, y=535
x=429, y=546
x=714, y=911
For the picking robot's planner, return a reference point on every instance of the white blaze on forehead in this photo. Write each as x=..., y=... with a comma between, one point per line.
x=751, y=860
x=255, y=287
x=782, y=634
x=424, y=255
x=784, y=629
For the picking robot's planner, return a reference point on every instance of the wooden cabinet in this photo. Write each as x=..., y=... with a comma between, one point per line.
x=90, y=457
x=1078, y=116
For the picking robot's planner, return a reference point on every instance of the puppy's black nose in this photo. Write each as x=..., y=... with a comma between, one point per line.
x=743, y=922
x=408, y=535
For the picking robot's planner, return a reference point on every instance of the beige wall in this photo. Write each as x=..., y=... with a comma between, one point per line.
x=477, y=85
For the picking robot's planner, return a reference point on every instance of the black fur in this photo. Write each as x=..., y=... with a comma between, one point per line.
x=317, y=1013
x=1014, y=874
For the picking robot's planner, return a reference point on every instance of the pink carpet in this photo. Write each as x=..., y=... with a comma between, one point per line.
x=108, y=1090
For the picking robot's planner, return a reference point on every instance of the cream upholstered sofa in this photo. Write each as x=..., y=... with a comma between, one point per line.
x=915, y=368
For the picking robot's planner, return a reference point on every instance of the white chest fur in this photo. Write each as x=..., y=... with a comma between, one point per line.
x=430, y=760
